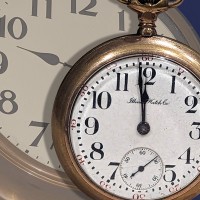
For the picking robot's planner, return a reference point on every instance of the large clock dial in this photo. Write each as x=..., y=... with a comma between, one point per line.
x=40, y=41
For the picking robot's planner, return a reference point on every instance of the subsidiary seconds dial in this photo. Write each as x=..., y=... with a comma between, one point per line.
x=146, y=173
x=159, y=163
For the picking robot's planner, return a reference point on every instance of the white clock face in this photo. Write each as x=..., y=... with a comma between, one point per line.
x=119, y=157
x=40, y=41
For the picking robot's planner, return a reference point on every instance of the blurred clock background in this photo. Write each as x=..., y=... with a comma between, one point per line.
x=191, y=12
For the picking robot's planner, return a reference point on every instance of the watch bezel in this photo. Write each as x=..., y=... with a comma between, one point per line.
x=86, y=67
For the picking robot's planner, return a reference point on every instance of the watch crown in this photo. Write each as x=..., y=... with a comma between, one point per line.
x=148, y=11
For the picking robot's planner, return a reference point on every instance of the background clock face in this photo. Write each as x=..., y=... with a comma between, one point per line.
x=40, y=41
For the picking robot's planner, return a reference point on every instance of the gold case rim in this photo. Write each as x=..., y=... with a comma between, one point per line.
x=100, y=56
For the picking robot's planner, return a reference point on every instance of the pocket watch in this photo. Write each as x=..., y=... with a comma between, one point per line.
x=42, y=39
x=125, y=121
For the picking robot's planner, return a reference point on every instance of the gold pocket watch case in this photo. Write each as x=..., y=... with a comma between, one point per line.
x=125, y=119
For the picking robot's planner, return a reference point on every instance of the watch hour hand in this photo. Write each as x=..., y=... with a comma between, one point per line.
x=143, y=127
x=144, y=100
x=49, y=58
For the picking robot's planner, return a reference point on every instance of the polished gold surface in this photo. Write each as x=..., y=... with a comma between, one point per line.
x=86, y=67
x=148, y=12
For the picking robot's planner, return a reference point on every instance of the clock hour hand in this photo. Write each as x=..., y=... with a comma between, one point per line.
x=143, y=127
x=144, y=100
x=49, y=58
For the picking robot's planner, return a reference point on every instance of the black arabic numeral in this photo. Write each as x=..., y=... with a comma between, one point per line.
x=11, y=25
x=191, y=101
x=103, y=100
x=48, y=8
x=86, y=10
x=150, y=74
x=196, y=135
x=173, y=84
x=92, y=126
x=186, y=156
x=114, y=173
x=122, y=81
x=170, y=174
x=97, y=153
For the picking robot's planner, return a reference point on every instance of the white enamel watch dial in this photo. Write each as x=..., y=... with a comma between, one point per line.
x=40, y=41
x=113, y=153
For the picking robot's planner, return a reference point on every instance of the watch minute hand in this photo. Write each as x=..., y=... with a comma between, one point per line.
x=140, y=81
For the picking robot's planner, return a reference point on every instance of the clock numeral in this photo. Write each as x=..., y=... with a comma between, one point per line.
x=84, y=90
x=170, y=175
x=111, y=66
x=149, y=73
x=97, y=153
x=173, y=84
x=4, y=63
x=84, y=11
x=191, y=101
x=175, y=188
x=103, y=100
x=121, y=21
x=187, y=156
x=116, y=164
x=92, y=126
x=7, y=102
x=147, y=58
x=73, y=124
x=105, y=185
x=11, y=25
x=139, y=186
x=42, y=125
x=195, y=136
x=48, y=8
x=139, y=196
x=124, y=80
x=155, y=178
x=80, y=159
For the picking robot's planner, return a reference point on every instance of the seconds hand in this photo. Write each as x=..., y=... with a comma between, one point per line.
x=141, y=168
x=143, y=127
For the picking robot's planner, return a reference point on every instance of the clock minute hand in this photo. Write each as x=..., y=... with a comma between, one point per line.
x=49, y=58
x=140, y=83
x=143, y=127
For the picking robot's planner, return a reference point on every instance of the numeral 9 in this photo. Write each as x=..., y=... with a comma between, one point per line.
x=4, y=63
x=91, y=123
